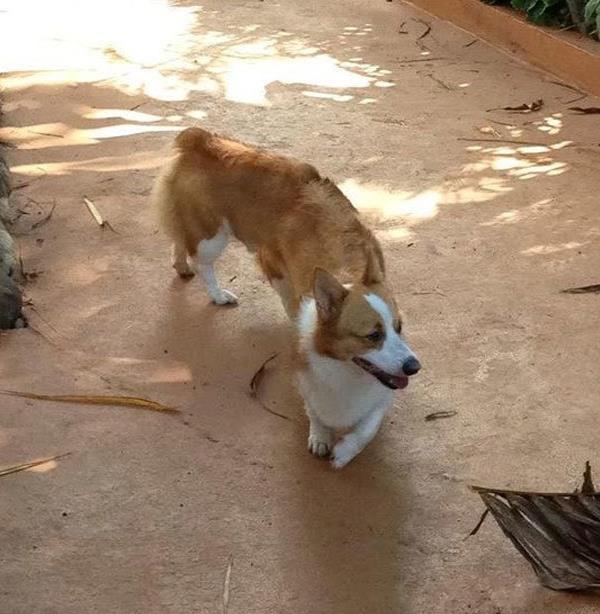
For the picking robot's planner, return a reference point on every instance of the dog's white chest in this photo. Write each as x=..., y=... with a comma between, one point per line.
x=341, y=394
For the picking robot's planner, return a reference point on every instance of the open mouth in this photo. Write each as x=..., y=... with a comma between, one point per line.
x=390, y=381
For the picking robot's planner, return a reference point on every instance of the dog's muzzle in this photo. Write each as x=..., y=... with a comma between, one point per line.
x=395, y=382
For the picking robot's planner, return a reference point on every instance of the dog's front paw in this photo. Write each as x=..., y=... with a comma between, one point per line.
x=343, y=452
x=319, y=445
x=184, y=270
x=224, y=297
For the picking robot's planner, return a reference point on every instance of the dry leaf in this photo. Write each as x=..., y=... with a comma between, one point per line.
x=558, y=533
x=526, y=107
x=84, y=399
x=586, y=110
x=96, y=214
x=255, y=383
x=24, y=466
x=437, y=415
x=42, y=221
x=257, y=377
x=593, y=289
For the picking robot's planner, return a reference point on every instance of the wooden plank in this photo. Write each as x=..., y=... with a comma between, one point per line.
x=567, y=55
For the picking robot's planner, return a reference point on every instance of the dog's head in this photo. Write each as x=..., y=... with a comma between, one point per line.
x=362, y=324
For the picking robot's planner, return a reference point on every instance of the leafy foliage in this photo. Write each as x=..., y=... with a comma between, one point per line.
x=556, y=12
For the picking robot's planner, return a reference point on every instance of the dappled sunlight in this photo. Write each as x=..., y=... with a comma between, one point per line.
x=41, y=136
x=522, y=162
x=389, y=203
x=84, y=42
x=414, y=208
x=334, y=97
x=551, y=125
x=395, y=234
x=246, y=79
x=479, y=190
x=43, y=467
x=541, y=250
x=533, y=211
x=166, y=52
x=132, y=116
x=70, y=35
x=140, y=160
x=159, y=371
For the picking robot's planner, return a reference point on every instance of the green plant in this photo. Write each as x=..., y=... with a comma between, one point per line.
x=585, y=14
x=545, y=12
x=591, y=15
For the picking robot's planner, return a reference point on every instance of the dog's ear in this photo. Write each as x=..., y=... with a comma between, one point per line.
x=374, y=270
x=329, y=294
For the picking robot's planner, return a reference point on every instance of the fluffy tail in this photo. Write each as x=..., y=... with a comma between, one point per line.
x=194, y=139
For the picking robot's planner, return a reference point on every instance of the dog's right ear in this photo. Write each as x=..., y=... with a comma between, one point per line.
x=329, y=294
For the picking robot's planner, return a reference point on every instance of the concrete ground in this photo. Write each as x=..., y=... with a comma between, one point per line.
x=480, y=236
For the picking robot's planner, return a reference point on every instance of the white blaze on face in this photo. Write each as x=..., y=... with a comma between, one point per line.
x=395, y=351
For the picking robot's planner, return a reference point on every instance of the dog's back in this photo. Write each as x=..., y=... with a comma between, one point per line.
x=277, y=206
x=213, y=179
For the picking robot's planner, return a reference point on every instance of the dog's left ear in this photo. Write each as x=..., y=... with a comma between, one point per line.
x=374, y=271
x=329, y=294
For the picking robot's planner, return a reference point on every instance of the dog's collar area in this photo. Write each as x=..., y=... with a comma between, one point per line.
x=389, y=381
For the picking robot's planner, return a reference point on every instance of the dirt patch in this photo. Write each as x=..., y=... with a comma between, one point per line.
x=480, y=238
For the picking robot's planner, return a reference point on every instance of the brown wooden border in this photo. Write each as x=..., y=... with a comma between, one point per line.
x=567, y=55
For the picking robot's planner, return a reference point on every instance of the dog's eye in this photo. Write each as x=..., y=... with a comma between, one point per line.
x=375, y=336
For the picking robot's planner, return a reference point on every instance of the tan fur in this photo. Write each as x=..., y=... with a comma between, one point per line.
x=344, y=324
x=280, y=208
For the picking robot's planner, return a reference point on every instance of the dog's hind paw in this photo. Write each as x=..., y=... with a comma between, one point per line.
x=224, y=297
x=318, y=446
x=183, y=268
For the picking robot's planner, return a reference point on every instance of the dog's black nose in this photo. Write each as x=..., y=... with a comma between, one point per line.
x=411, y=366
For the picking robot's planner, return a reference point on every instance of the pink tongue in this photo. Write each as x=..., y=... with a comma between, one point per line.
x=401, y=381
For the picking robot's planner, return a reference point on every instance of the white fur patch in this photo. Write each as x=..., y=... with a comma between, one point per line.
x=208, y=251
x=339, y=394
x=395, y=351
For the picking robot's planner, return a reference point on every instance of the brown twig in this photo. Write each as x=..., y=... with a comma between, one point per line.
x=258, y=376
x=479, y=523
x=255, y=383
x=440, y=82
x=509, y=141
x=495, y=121
x=422, y=60
x=586, y=110
x=226, y=584
x=25, y=466
x=592, y=289
x=96, y=215
x=438, y=415
x=426, y=31
x=83, y=399
x=58, y=136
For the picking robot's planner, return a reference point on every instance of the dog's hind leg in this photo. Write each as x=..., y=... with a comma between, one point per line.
x=180, y=261
x=208, y=251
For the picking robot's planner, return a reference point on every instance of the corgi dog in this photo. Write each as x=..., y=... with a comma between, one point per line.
x=324, y=263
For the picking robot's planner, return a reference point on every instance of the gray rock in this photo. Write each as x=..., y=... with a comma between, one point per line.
x=11, y=301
